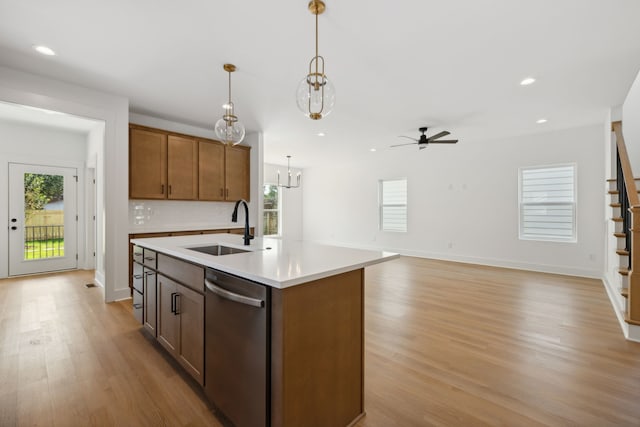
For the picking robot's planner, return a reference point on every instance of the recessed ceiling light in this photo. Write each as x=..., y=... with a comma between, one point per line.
x=527, y=81
x=373, y=150
x=320, y=134
x=540, y=121
x=44, y=50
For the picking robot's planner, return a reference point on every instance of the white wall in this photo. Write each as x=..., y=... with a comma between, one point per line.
x=631, y=124
x=30, y=89
x=167, y=215
x=463, y=201
x=95, y=161
x=291, y=200
x=33, y=144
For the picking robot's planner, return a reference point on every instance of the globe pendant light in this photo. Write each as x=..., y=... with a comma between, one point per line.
x=228, y=129
x=316, y=95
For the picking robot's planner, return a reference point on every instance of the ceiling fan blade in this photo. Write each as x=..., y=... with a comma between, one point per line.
x=438, y=135
x=408, y=137
x=400, y=145
x=444, y=141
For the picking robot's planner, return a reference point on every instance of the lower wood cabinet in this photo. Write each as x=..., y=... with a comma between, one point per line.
x=149, y=295
x=181, y=324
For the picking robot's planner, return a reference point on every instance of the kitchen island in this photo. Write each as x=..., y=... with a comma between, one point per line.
x=293, y=354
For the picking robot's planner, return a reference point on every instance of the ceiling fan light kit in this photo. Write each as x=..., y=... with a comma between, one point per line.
x=228, y=129
x=424, y=140
x=316, y=95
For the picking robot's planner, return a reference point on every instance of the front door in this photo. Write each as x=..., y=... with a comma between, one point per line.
x=42, y=219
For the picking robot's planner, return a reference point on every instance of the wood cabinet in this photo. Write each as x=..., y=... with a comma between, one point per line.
x=168, y=165
x=181, y=324
x=225, y=171
x=150, y=301
x=211, y=171
x=147, y=164
x=182, y=168
x=237, y=172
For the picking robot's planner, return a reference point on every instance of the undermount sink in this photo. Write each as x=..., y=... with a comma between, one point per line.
x=217, y=250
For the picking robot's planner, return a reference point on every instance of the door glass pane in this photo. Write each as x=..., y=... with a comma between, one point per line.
x=271, y=210
x=44, y=216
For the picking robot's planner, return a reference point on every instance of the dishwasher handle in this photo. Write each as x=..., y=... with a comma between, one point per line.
x=223, y=293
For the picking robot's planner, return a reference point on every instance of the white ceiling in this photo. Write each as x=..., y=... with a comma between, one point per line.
x=396, y=66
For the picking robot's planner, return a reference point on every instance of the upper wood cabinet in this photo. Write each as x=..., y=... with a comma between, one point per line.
x=166, y=165
x=182, y=168
x=147, y=164
x=211, y=171
x=237, y=166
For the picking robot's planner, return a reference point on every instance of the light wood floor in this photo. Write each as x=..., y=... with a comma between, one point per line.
x=446, y=344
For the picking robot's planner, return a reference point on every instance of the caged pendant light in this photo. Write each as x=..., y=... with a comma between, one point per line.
x=316, y=95
x=228, y=129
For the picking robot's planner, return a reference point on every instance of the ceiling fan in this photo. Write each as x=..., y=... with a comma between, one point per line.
x=424, y=140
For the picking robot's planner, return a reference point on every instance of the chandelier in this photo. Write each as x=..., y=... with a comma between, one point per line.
x=288, y=184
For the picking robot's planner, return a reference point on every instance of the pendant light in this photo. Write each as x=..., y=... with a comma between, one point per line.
x=316, y=95
x=288, y=184
x=228, y=129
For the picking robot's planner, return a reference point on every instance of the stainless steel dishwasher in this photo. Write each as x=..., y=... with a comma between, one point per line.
x=237, y=362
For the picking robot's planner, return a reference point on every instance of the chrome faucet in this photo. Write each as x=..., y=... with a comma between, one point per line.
x=234, y=218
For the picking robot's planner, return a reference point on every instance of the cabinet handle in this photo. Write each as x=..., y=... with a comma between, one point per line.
x=173, y=302
x=177, y=305
x=149, y=258
x=137, y=306
x=169, y=188
x=227, y=193
x=137, y=276
x=162, y=190
x=221, y=192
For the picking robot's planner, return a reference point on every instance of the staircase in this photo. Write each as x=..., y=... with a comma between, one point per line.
x=625, y=206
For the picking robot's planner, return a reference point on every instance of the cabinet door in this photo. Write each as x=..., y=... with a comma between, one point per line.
x=210, y=170
x=147, y=164
x=237, y=172
x=168, y=320
x=191, y=312
x=182, y=168
x=150, y=301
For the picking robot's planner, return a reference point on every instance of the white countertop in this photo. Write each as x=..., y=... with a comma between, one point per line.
x=274, y=262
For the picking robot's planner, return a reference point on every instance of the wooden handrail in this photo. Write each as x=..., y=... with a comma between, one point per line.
x=629, y=181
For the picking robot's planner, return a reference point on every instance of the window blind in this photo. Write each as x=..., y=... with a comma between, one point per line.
x=547, y=203
x=393, y=205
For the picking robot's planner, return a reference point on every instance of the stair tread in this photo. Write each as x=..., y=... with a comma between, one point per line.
x=620, y=234
x=615, y=205
x=624, y=292
x=614, y=179
x=622, y=252
x=613, y=192
x=617, y=219
x=623, y=271
x=631, y=322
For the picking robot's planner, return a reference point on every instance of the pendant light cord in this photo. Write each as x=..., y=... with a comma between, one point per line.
x=316, y=45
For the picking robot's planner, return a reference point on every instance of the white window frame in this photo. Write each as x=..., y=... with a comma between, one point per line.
x=574, y=206
x=279, y=210
x=381, y=205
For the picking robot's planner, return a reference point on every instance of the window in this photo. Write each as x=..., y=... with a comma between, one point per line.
x=393, y=205
x=271, y=209
x=548, y=203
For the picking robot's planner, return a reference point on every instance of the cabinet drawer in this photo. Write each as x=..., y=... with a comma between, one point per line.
x=181, y=271
x=138, y=277
x=137, y=254
x=150, y=258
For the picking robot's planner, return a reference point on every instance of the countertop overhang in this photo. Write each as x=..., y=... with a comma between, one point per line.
x=279, y=263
